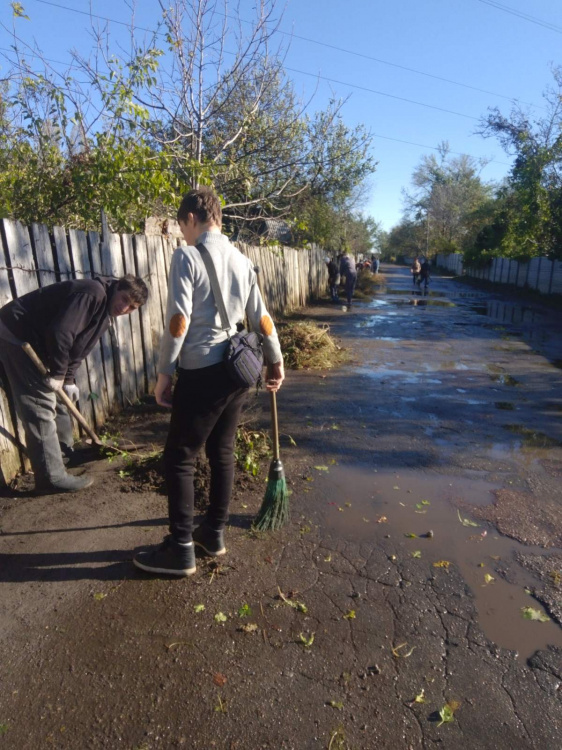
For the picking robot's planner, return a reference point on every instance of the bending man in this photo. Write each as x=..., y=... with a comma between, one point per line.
x=62, y=322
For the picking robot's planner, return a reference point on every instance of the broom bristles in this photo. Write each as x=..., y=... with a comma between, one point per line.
x=274, y=511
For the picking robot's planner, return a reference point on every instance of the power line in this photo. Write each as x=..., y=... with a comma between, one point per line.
x=522, y=15
x=403, y=67
x=329, y=80
x=323, y=78
x=319, y=43
x=382, y=93
x=434, y=148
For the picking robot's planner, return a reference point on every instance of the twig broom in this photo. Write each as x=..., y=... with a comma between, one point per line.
x=274, y=511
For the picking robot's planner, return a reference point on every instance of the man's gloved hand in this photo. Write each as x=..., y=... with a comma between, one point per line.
x=71, y=390
x=54, y=384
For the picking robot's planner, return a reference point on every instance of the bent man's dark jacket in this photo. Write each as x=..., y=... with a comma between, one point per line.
x=61, y=321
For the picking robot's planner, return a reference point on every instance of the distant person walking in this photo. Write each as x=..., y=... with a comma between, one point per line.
x=333, y=279
x=415, y=270
x=348, y=269
x=424, y=273
x=376, y=264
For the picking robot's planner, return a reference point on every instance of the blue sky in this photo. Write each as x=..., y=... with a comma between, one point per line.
x=472, y=42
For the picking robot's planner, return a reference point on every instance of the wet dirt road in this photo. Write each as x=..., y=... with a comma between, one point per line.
x=400, y=593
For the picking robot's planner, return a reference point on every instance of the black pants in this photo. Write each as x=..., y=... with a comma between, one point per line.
x=206, y=410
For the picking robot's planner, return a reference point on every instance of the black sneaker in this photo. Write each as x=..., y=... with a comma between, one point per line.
x=169, y=558
x=210, y=541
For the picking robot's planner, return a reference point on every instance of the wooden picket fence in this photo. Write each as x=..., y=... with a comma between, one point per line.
x=122, y=366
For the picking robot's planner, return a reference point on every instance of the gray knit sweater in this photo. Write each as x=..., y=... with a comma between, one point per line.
x=193, y=332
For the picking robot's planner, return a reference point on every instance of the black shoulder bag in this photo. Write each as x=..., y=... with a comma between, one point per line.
x=243, y=357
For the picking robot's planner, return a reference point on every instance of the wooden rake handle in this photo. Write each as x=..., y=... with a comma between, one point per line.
x=32, y=354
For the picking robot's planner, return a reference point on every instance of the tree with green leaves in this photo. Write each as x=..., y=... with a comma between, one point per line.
x=200, y=100
x=447, y=199
x=528, y=219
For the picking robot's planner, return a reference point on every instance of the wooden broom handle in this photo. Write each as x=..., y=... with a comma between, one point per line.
x=66, y=400
x=274, y=425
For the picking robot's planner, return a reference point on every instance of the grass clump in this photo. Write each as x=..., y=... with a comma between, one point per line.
x=308, y=346
x=367, y=284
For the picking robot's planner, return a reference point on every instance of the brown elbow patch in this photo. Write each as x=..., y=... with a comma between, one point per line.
x=177, y=325
x=266, y=325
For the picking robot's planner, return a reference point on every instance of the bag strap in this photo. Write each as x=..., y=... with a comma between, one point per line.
x=215, y=287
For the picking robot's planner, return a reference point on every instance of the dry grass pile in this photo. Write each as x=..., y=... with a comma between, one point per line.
x=367, y=283
x=309, y=346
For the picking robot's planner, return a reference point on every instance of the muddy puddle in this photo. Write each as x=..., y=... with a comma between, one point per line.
x=417, y=503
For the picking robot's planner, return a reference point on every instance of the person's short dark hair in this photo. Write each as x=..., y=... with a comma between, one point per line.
x=202, y=202
x=135, y=288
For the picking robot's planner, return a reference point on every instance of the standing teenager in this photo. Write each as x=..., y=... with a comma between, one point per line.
x=206, y=403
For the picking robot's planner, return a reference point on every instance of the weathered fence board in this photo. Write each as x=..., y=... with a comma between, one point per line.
x=112, y=265
x=134, y=319
x=44, y=254
x=145, y=321
x=10, y=455
x=108, y=394
x=20, y=257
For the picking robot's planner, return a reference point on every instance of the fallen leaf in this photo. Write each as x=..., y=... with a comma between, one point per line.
x=340, y=509
x=411, y=536
x=328, y=557
x=466, y=521
x=382, y=519
x=350, y=615
x=244, y=611
x=446, y=714
x=221, y=617
x=332, y=462
x=199, y=608
x=321, y=468
x=396, y=487
x=335, y=427
x=348, y=505
x=291, y=441
x=219, y=679
x=441, y=564
x=425, y=502
x=292, y=603
x=529, y=613
x=306, y=641
x=366, y=520
x=244, y=506
x=420, y=697
x=417, y=554
x=488, y=578
x=249, y=627
x=336, y=704
x=396, y=651
x=99, y=597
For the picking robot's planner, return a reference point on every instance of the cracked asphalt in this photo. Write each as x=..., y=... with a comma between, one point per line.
x=407, y=463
